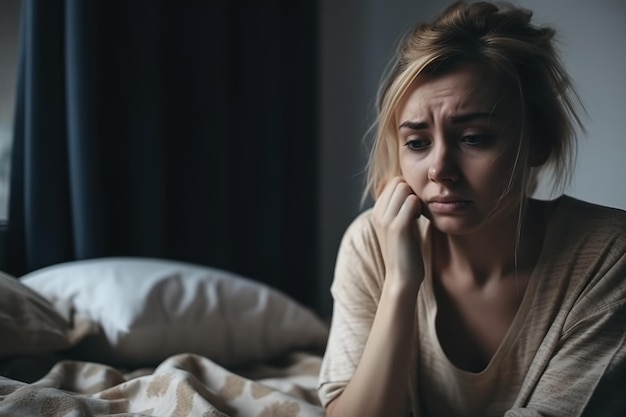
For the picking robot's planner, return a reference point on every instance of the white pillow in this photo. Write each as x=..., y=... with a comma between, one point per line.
x=150, y=309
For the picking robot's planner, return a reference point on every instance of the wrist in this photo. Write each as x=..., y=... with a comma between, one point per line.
x=402, y=284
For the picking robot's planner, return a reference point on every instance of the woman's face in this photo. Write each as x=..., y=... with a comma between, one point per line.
x=459, y=143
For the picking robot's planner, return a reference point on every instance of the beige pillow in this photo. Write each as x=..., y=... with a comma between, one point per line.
x=29, y=324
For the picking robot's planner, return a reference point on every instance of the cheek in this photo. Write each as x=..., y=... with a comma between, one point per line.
x=414, y=173
x=496, y=177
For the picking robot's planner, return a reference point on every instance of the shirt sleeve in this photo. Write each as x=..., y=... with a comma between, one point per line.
x=586, y=374
x=356, y=289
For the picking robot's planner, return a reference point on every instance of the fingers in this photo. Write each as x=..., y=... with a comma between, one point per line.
x=386, y=192
x=397, y=200
x=382, y=202
x=410, y=209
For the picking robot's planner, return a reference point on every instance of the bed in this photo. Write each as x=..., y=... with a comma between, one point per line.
x=151, y=337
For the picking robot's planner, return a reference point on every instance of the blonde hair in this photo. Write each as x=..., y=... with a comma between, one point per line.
x=501, y=38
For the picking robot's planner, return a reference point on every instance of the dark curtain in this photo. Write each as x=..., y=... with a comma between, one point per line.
x=174, y=129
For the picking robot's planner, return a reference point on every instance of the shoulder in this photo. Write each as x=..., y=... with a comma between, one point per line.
x=361, y=226
x=590, y=214
x=582, y=222
x=592, y=231
x=359, y=243
x=359, y=267
x=589, y=240
x=359, y=248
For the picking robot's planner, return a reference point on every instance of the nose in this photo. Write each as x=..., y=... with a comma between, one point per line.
x=443, y=165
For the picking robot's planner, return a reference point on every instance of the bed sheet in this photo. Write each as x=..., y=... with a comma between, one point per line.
x=182, y=385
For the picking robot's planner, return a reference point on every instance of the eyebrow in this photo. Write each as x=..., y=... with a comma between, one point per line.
x=458, y=119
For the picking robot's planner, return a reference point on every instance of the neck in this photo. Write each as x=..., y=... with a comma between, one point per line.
x=501, y=248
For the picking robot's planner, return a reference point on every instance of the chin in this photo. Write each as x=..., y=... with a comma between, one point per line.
x=455, y=226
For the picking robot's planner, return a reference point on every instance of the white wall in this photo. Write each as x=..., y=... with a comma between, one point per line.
x=592, y=41
x=357, y=39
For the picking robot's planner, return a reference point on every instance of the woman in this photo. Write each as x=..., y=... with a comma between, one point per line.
x=457, y=294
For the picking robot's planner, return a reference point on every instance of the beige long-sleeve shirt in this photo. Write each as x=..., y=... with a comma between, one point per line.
x=564, y=354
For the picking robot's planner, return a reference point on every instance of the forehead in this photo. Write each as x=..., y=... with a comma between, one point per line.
x=465, y=89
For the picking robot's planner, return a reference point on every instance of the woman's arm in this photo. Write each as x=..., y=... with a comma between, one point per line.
x=379, y=385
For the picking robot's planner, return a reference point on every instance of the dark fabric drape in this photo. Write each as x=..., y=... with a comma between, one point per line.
x=180, y=130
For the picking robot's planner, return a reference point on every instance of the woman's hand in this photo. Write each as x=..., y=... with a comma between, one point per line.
x=382, y=373
x=395, y=213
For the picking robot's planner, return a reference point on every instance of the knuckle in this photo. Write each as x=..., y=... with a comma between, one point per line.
x=396, y=226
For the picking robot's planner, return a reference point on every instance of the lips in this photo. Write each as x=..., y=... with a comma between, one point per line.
x=448, y=204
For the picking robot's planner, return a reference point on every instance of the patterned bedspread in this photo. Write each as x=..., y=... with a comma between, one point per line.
x=183, y=385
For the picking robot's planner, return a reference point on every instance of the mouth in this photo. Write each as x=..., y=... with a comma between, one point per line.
x=448, y=205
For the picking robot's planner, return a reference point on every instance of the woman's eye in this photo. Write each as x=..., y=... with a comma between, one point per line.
x=475, y=140
x=417, y=144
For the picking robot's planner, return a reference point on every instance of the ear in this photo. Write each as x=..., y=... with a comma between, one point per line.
x=538, y=157
x=539, y=152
